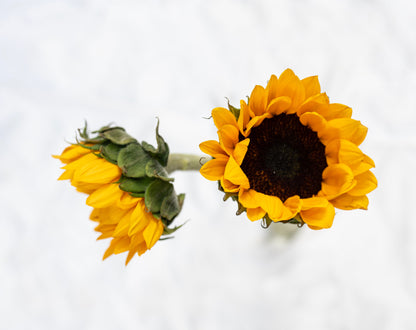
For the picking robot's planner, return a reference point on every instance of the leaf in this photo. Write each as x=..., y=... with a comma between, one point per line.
x=155, y=193
x=118, y=136
x=155, y=170
x=162, y=151
x=132, y=160
x=135, y=185
x=110, y=151
x=170, y=207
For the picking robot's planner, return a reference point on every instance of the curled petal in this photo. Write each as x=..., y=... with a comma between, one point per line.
x=223, y=116
x=344, y=151
x=337, y=179
x=258, y=100
x=347, y=129
x=241, y=150
x=317, y=103
x=235, y=174
x=255, y=214
x=228, y=186
x=244, y=117
x=366, y=183
x=319, y=217
x=348, y=202
x=314, y=121
x=314, y=202
x=228, y=135
x=279, y=105
x=214, y=169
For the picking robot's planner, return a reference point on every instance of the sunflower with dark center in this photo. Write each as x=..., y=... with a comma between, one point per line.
x=290, y=155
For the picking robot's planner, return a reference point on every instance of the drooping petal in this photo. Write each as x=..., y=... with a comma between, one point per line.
x=98, y=171
x=317, y=103
x=72, y=153
x=214, y=169
x=292, y=206
x=314, y=121
x=255, y=214
x=313, y=202
x=244, y=117
x=228, y=186
x=123, y=226
x=347, y=129
x=345, y=152
x=139, y=219
x=223, y=116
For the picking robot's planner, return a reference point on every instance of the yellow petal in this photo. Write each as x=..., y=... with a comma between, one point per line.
x=235, y=174
x=153, y=232
x=98, y=171
x=140, y=218
x=347, y=129
x=337, y=179
x=127, y=201
x=279, y=105
x=290, y=85
x=105, y=196
x=241, y=150
x=255, y=214
x=248, y=198
x=123, y=226
x=223, y=116
x=366, y=183
x=313, y=202
x=258, y=100
x=214, y=169
x=348, y=202
x=318, y=103
x=244, y=117
x=273, y=206
x=312, y=86
x=344, y=151
x=292, y=206
x=314, y=121
x=256, y=121
x=229, y=186
x=336, y=110
x=228, y=136
x=67, y=175
x=319, y=217
x=212, y=148
x=271, y=88
x=72, y=153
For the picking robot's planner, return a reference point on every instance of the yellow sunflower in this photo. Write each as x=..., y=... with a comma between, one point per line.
x=132, y=207
x=288, y=154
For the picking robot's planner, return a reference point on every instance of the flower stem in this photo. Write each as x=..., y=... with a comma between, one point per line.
x=185, y=162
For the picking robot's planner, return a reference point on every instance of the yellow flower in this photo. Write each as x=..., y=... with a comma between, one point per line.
x=121, y=217
x=290, y=154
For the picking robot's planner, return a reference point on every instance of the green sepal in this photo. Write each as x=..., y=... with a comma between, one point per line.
x=155, y=170
x=169, y=231
x=135, y=185
x=235, y=111
x=94, y=147
x=132, y=160
x=162, y=151
x=155, y=193
x=171, y=206
x=137, y=195
x=266, y=222
x=110, y=152
x=117, y=135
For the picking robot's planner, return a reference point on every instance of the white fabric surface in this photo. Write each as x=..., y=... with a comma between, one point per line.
x=129, y=61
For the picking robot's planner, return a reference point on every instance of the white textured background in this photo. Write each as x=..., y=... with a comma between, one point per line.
x=128, y=61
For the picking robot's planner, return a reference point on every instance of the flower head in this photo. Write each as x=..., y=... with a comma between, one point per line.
x=133, y=198
x=290, y=155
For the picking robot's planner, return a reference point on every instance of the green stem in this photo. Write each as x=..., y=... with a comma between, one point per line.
x=185, y=162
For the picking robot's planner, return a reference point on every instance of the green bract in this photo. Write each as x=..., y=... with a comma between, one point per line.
x=143, y=169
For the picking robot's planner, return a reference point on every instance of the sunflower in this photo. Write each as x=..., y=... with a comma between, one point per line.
x=290, y=155
x=131, y=207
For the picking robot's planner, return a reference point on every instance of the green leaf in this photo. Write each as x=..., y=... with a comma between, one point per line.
x=162, y=151
x=118, y=136
x=133, y=185
x=155, y=170
x=110, y=151
x=155, y=193
x=132, y=160
x=170, y=207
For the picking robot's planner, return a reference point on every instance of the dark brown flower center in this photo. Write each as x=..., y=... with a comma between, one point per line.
x=284, y=158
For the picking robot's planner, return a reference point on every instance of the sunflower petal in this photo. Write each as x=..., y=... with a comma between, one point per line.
x=235, y=174
x=279, y=105
x=337, y=110
x=319, y=217
x=241, y=150
x=312, y=86
x=214, y=169
x=212, y=148
x=347, y=129
x=366, y=183
x=244, y=117
x=223, y=116
x=290, y=85
x=105, y=196
x=152, y=233
x=348, y=202
x=258, y=100
x=228, y=135
x=314, y=121
x=272, y=88
x=255, y=214
x=337, y=179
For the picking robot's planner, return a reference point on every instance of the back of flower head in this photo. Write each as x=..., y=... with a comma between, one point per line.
x=132, y=195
